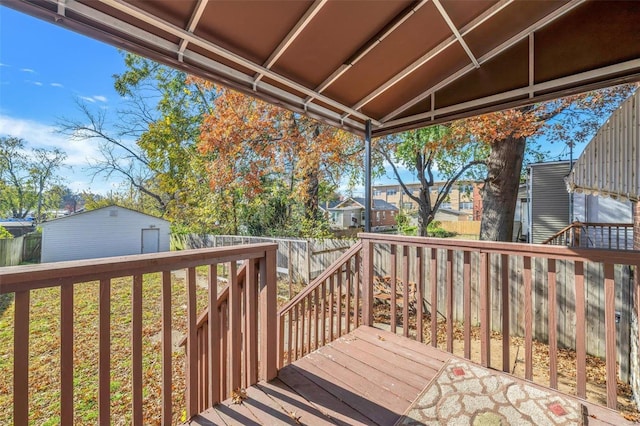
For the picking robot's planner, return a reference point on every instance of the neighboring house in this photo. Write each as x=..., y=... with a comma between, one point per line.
x=349, y=213
x=105, y=232
x=18, y=227
x=461, y=197
x=550, y=204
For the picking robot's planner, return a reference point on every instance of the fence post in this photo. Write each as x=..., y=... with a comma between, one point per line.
x=367, y=282
x=268, y=312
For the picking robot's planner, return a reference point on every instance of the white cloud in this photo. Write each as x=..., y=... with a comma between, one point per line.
x=37, y=83
x=79, y=152
x=100, y=98
x=56, y=85
x=29, y=70
x=94, y=99
x=3, y=65
x=88, y=99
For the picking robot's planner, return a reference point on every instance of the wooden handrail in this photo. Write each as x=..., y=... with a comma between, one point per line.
x=579, y=235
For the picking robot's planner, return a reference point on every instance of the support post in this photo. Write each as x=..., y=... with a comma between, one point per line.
x=367, y=176
x=367, y=282
x=268, y=316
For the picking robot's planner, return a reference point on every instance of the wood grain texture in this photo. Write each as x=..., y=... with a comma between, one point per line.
x=104, y=358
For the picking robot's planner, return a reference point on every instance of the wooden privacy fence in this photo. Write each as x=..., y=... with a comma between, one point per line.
x=515, y=289
x=301, y=260
x=240, y=342
x=464, y=227
x=25, y=248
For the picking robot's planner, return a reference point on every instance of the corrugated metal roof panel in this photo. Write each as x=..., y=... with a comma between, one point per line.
x=610, y=164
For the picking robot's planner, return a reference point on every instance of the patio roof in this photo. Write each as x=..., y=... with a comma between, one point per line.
x=400, y=64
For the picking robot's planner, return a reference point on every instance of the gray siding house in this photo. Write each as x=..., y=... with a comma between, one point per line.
x=105, y=232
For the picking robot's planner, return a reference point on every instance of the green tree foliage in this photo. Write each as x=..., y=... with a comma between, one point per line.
x=425, y=152
x=26, y=176
x=4, y=234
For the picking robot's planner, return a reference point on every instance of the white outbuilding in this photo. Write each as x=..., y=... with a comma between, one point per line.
x=104, y=232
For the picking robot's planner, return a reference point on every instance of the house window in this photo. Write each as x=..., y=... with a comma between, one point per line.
x=377, y=192
x=384, y=216
x=445, y=206
x=378, y=216
x=407, y=206
x=466, y=206
x=392, y=191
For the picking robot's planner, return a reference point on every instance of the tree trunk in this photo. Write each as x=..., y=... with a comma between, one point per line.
x=500, y=191
x=311, y=197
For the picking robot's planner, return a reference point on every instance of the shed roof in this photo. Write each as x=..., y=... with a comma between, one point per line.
x=88, y=212
x=401, y=64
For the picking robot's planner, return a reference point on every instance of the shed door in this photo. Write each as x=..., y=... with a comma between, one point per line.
x=150, y=241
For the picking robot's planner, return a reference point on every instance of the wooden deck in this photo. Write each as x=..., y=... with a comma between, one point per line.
x=368, y=377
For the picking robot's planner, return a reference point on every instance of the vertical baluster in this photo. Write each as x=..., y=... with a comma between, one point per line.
x=466, y=279
x=213, y=329
x=434, y=297
x=235, y=326
x=419, y=296
x=485, y=311
x=251, y=309
x=104, y=357
x=302, y=322
x=323, y=292
x=581, y=319
x=348, y=294
x=552, y=324
x=331, y=302
x=192, y=345
x=223, y=316
x=610, y=334
x=297, y=334
x=136, y=349
x=528, y=320
x=66, y=353
x=290, y=344
x=339, y=301
x=268, y=315
x=357, y=285
x=506, y=303
x=316, y=328
x=394, y=290
x=449, y=301
x=21, y=358
x=309, y=309
x=367, y=282
x=405, y=291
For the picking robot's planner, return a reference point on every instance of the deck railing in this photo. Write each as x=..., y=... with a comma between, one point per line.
x=614, y=236
x=247, y=309
x=325, y=310
x=495, y=271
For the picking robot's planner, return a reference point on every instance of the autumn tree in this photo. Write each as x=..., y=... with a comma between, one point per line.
x=258, y=151
x=570, y=120
x=425, y=152
x=25, y=176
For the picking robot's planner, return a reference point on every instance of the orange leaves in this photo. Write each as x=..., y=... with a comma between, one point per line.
x=488, y=128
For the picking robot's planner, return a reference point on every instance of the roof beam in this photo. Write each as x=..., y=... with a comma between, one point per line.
x=394, y=25
x=193, y=23
x=490, y=55
x=228, y=55
x=433, y=53
x=293, y=34
x=62, y=7
x=455, y=31
x=551, y=85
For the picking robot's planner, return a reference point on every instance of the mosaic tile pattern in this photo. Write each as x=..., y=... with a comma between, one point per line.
x=466, y=394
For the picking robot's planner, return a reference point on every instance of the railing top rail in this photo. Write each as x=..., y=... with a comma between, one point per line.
x=325, y=274
x=605, y=225
x=17, y=278
x=627, y=257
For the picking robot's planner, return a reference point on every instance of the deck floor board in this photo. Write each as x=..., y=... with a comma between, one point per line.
x=367, y=377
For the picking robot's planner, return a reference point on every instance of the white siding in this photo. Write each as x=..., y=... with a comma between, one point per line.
x=99, y=233
x=610, y=164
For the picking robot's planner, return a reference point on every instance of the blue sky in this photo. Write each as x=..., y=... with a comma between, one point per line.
x=44, y=70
